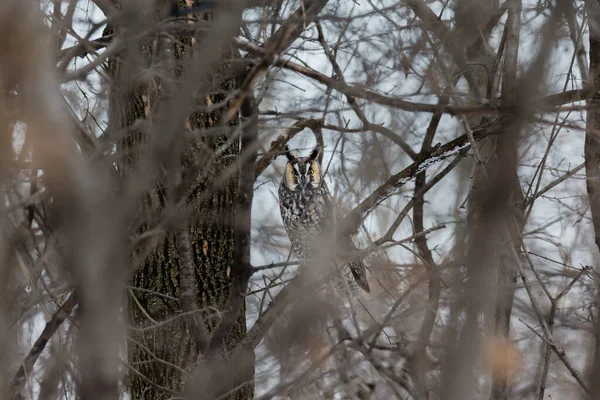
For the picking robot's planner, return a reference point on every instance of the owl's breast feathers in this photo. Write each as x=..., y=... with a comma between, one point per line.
x=309, y=219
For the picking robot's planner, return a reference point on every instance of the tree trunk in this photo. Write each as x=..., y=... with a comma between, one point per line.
x=162, y=357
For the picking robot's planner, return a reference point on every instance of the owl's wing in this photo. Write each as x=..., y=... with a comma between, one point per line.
x=356, y=264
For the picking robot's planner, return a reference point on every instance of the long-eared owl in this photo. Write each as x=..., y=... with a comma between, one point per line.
x=309, y=215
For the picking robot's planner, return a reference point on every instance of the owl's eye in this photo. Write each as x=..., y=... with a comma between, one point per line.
x=294, y=172
x=311, y=171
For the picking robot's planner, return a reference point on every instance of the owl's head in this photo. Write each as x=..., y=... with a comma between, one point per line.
x=302, y=173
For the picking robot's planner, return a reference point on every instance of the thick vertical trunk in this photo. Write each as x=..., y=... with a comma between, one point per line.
x=161, y=355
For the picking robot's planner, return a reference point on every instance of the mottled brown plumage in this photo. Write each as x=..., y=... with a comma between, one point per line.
x=309, y=214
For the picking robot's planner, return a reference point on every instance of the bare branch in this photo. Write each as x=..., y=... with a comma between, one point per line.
x=50, y=329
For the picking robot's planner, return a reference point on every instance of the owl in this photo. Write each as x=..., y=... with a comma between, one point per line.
x=309, y=214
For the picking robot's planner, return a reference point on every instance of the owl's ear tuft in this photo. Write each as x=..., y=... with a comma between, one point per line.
x=315, y=153
x=289, y=154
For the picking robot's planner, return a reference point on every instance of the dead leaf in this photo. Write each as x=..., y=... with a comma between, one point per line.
x=501, y=357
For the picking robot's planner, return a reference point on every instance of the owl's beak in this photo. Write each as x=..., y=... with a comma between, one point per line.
x=304, y=181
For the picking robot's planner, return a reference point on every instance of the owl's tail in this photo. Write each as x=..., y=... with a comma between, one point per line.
x=359, y=272
x=353, y=274
x=348, y=279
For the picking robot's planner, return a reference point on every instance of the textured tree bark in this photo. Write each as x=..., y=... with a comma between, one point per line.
x=187, y=268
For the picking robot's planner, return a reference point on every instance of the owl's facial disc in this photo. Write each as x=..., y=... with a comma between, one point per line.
x=313, y=173
x=292, y=175
x=303, y=174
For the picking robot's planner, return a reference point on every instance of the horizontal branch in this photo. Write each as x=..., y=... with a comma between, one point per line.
x=352, y=221
x=544, y=104
x=278, y=145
